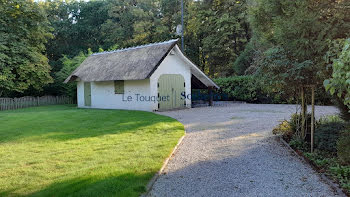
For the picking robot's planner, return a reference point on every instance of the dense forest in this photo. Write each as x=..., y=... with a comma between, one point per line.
x=277, y=44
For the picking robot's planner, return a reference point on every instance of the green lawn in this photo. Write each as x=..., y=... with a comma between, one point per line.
x=65, y=151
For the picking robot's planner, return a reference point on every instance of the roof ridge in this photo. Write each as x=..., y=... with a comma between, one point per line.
x=135, y=47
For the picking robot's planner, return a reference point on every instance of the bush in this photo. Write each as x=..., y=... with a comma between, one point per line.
x=343, y=148
x=299, y=144
x=241, y=88
x=295, y=122
x=248, y=88
x=290, y=129
x=244, y=60
x=327, y=133
x=284, y=129
x=343, y=175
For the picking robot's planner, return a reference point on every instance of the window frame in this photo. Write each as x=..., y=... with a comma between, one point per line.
x=119, y=86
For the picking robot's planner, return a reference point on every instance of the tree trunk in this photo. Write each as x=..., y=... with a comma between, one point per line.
x=312, y=117
x=210, y=95
x=303, y=113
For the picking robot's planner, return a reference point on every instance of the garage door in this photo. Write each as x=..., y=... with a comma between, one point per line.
x=170, y=87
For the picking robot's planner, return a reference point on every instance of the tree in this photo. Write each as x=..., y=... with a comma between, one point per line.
x=77, y=26
x=139, y=22
x=339, y=84
x=221, y=30
x=69, y=65
x=24, y=31
x=297, y=48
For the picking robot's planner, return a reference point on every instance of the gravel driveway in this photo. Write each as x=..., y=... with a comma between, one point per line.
x=230, y=151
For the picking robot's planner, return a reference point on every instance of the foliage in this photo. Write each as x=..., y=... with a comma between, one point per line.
x=326, y=161
x=277, y=71
x=240, y=88
x=329, y=164
x=321, y=160
x=285, y=130
x=327, y=135
x=69, y=65
x=217, y=32
x=248, y=88
x=344, y=112
x=294, y=51
x=295, y=123
x=343, y=147
x=339, y=84
x=343, y=174
x=66, y=151
x=77, y=26
x=244, y=60
x=299, y=144
x=24, y=31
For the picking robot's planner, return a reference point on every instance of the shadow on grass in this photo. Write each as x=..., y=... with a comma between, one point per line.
x=44, y=108
x=122, y=185
x=68, y=122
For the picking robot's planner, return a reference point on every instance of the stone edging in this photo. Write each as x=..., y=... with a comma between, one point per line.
x=334, y=186
x=165, y=163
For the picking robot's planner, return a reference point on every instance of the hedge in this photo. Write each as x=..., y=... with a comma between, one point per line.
x=247, y=88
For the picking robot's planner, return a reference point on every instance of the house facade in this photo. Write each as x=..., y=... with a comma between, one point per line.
x=150, y=78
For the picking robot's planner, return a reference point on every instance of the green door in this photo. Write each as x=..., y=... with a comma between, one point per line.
x=87, y=93
x=170, y=88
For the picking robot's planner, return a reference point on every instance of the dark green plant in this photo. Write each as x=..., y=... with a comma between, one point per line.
x=242, y=88
x=321, y=160
x=327, y=135
x=24, y=30
x=244, y=60
x=299, y=144
x=343, y=175
x=343, y=147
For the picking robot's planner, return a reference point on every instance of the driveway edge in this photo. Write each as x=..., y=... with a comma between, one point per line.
x=165, y=163
x=334, y=186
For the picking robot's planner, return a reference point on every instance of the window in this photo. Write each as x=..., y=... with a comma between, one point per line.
x=119, y=87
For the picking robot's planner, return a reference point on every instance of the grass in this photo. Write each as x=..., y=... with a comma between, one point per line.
x=65, y=151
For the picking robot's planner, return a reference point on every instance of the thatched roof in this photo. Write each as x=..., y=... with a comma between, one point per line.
x=125, y=64
x=133, y=63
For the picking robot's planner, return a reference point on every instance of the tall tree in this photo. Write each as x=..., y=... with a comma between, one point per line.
x=24, y=30
x=135, y=22
x=297, y=34
x=77, y=27
x=221, y=30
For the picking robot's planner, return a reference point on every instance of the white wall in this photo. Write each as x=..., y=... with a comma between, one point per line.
x=80, y=93
x=172, y=64
x=103, y=96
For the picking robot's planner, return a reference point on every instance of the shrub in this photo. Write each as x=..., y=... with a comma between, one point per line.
x=327, y=133
x=242, y=88
x=343, y=174
x=320, y=159
x=244, y=60
x=295, y=122
x=343, y=148
x=284, y=129
x=248, y=88
x=297, y=143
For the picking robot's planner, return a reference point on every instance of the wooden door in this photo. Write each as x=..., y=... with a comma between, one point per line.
x=87, y=93
x=171, y=86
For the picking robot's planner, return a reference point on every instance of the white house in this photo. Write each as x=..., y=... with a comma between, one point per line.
x=150, y=77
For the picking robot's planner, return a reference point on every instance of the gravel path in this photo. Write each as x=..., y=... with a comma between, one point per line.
x=230, y=151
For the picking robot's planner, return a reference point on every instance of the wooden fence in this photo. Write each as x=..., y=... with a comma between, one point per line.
x=29, y=101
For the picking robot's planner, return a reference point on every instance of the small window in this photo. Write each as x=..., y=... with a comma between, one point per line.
x=119, y=87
